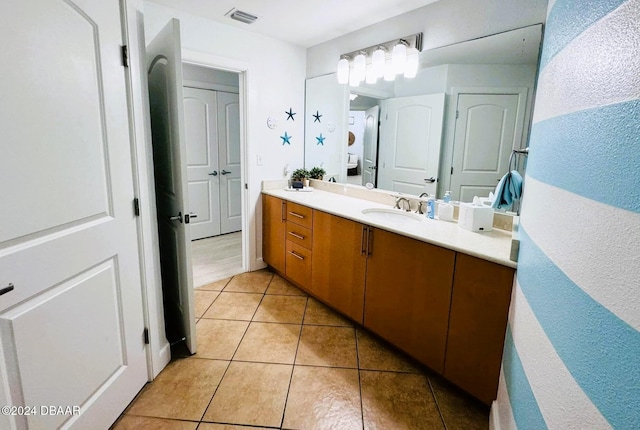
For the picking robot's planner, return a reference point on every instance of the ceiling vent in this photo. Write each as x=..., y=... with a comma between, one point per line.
x=241, y=16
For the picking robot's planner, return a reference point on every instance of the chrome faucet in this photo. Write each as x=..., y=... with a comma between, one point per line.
x=421, y=203
x=407, y=207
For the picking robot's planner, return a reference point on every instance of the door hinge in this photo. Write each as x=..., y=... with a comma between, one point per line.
x=457, y=114
x=452, y=170
x=145, y=334
x=125, y=56
x=136, y=206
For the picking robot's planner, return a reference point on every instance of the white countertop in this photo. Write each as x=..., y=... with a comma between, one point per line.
x=493, y=246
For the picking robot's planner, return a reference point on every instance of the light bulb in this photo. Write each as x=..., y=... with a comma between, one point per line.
x=411, y=66
x=360, y=66
x=399, y=57
x=377, y=61
x=343, y=70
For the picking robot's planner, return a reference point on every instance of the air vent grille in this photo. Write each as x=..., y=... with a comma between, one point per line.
x=241, y=16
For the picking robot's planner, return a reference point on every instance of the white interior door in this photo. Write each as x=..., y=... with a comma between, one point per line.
x=229, y=156
x=71, y=330
x=164, y=65
x=410, y=157
x=488, y=127
x=201, y=132
x=370, y=143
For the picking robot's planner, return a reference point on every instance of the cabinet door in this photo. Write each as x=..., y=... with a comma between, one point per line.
x=479, y=309
x=298, y=264
x=408, y=293
x=339, y=261
x=273, y=232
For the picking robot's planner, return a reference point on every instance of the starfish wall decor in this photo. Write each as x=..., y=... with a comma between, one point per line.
x=290, y=115
x=317, y=117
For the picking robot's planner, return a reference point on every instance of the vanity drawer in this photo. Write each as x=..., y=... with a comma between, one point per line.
x=299, y=214
x=300, y=235
x=298, y=264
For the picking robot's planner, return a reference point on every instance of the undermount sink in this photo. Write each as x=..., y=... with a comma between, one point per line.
x=391, y=215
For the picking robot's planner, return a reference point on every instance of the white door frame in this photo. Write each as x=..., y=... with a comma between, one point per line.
x=450, y=120
x=242, y=69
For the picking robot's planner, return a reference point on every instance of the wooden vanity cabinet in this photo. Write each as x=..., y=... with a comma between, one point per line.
x=477, y=325
x=339, y=262
x=273, y=232
x=408, y=293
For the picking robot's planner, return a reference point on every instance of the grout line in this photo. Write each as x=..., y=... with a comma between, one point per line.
x=293, y=367
x=435, y=399
x=355, y=333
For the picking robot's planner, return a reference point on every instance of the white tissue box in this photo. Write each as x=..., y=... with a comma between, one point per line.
x=475, y=217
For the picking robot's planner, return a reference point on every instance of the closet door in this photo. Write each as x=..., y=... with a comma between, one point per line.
x=201, y=132
x=229, y=155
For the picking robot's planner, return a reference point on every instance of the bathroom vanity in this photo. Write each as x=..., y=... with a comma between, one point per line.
x=437, y=292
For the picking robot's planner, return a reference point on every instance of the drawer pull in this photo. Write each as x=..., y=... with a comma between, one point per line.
x=298, y=256
x=6, y=289
x=296, y=235
x=297, y=215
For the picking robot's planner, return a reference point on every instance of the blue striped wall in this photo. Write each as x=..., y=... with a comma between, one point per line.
x=572, y=350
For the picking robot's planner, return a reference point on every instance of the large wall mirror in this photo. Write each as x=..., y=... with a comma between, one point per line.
x=452, y=127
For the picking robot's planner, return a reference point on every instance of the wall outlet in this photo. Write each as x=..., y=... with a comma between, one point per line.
x=259, y=160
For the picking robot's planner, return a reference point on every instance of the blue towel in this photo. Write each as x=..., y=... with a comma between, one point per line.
x=509, y=190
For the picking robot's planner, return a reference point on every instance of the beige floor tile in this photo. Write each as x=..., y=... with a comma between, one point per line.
x=215, y=286
x=399, y=401
x=374, y=354
x=269, y=342
x=130, y=422
x=323, y=398
x=459, y=410
x=281, y=286
x=219, y=339
x=181, y=391
x=250, y=282
x=234, y=306
x=282, y=309
x=319, y=314
x=327, y=346
x=252, y=394
x=203, y=300
x=211, y=426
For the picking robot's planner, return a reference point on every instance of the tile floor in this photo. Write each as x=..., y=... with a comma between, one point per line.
x=269, y=356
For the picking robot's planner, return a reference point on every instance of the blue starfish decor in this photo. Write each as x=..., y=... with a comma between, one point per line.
x=285, y=139
x=320, y=139
x=290, y=115
x=317, y=117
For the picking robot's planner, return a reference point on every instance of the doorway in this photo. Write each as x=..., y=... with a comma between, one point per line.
x=212, y=132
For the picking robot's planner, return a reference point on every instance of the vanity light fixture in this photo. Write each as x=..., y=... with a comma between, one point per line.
x=395, y=57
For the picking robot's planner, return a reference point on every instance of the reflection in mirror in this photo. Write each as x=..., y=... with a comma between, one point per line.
x=452, y=127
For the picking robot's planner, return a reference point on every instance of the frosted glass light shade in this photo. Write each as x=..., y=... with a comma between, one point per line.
x=389, y=72
x=371, y=77
x=360, y=66
x=399, y=57
x=343, y=71
x=411, y=66
x=377, y=62
x=353, y=80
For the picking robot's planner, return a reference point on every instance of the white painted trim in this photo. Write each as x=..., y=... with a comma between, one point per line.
x=148, y=243
x=494, y=422
x=249, y=231
x=446, y=156
x=209, y=86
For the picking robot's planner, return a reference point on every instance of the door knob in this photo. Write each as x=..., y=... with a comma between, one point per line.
x=6, y=289
x=193, y=215
x=430, y=180
x=176, y=218
x=372, y=167
x=214, y=173
x=224, y=172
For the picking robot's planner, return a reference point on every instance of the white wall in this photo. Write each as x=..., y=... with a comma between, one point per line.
x=212, y=79
x=443, y=23
x=275, y=83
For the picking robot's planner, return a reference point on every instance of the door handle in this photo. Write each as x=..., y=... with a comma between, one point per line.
x=430, y=180
x=224, y=172
x=372, y=167
x=214, y=173
x=193, y=215
x=176, y=218
x=6, y=289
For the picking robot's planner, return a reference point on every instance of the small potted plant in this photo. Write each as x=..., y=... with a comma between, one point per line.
x=301, y=176
x=317, y=173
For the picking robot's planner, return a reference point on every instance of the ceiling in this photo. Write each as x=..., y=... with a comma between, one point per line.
x=302, y=22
